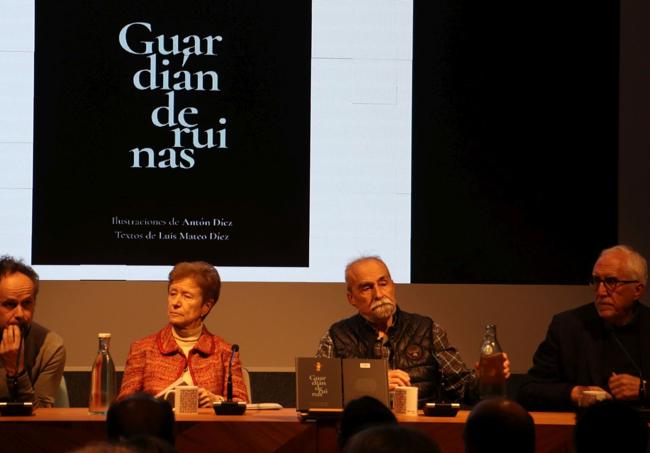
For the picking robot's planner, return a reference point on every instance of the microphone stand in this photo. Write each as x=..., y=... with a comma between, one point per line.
x=230, y=407
x=440, y=408
x=643, y=387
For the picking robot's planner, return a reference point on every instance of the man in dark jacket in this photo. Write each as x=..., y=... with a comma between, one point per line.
x=416, y=347
x=604, y=345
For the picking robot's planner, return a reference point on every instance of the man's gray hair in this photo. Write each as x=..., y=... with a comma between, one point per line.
x=355, y=261
x=635, y=263
x=10, y=265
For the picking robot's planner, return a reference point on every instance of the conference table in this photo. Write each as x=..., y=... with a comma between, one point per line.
x=63, y=430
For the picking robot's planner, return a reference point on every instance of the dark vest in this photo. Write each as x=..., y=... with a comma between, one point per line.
x=33, y=342
x=410, y=341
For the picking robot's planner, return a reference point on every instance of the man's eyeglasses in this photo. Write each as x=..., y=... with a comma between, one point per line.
x=611, y=283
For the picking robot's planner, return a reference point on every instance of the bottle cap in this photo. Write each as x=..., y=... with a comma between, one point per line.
x=104, y=335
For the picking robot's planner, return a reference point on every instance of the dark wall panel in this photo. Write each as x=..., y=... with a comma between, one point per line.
x=515, y=129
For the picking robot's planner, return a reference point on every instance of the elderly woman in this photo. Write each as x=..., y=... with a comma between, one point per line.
x=185, y=351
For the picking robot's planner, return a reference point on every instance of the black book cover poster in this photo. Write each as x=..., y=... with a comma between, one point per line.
x=168, y=131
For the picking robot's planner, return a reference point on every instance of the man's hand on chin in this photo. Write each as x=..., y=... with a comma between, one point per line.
x=9, y=347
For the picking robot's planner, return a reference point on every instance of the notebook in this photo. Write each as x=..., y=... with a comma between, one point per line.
x=323, y=386
x=365, y=377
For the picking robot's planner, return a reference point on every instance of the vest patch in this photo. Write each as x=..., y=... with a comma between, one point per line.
x=414, y=352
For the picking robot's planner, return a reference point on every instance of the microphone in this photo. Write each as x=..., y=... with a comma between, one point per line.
x=230, y=407
x=643, y=391
x=235, y=348
x=610, y=329
x=439, y=407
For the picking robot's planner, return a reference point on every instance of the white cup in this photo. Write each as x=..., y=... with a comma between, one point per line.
x=405, y=401
x=186, y=399
x=589, y=397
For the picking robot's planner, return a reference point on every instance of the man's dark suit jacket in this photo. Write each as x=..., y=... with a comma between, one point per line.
x=572, y=355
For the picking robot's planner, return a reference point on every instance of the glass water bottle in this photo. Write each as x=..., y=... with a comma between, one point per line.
x=492, y=381
x=102, y=379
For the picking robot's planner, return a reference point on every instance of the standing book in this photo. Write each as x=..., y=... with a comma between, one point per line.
x=318, y=385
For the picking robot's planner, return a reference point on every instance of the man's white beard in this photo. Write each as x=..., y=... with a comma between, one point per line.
x=382, y=309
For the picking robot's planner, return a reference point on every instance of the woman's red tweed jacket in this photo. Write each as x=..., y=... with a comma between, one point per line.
x=156, y=361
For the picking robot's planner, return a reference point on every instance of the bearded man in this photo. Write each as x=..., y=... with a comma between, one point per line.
x=416, y=347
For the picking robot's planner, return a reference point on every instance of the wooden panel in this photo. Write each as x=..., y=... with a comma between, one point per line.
x=61, y=430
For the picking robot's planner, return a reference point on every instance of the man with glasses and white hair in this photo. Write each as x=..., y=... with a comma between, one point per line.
x=602, y=346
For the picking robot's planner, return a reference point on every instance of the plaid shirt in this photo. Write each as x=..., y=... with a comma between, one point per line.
x=458, y=382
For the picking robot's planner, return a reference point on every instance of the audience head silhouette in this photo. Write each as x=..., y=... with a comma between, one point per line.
x=140, y=415
x=137, y=444
x=610, y=426
x=104, y=447
x=360, y=414
x=391, y=439
x=499, y=424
